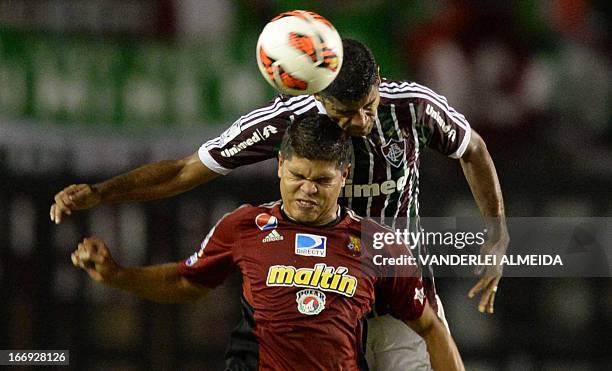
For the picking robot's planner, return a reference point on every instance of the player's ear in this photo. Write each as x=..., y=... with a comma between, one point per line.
x=345, y=174
x=281, y=161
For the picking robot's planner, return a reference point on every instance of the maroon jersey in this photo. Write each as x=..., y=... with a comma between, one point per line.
x=308, y=288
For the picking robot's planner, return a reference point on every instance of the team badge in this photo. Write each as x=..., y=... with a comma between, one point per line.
x=265, y=222
x=310, y=245
x=354, y=245
x=273, y=236
x=394, y=152
x=310, y=302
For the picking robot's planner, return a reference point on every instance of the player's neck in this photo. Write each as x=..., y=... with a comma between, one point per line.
x=332, y=220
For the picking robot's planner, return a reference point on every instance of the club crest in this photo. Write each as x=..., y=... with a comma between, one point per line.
x=394, y=152
x=354, y=245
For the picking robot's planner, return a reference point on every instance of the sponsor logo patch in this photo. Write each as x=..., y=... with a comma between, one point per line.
x=394, y=152
x=310, y=245
x=310, y=302
x=273, y=236
x=265, y=222
x=257, y=136
x=374, y=189
x=320, y=277
x=446, y=128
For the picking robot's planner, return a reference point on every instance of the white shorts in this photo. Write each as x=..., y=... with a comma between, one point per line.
x=392, y=345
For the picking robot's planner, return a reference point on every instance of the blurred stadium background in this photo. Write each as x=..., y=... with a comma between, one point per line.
x=92, y=88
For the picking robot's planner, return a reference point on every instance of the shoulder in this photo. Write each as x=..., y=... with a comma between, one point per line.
x=352, y=220
x=251, y=214
x=246, y=216
x=237, y=216
x=360, y=225
x=288, y=104
x=394, y=91
x=279, y=111
x=248, y=210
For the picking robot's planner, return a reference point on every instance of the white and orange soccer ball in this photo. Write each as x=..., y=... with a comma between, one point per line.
x=299, y=52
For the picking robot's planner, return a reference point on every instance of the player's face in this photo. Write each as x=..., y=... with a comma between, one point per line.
x=356, y=118
x=310, y=189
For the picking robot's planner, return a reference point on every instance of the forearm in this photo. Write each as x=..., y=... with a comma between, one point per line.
x=148, y=182
x=481, y=176
x=441, y=347
x=160, y=283
x=443, y=352
x=155, y=181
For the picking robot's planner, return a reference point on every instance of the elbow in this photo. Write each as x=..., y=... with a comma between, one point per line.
x=189, y=291
x=426, y=330
x=428, y=324
x=476, y=148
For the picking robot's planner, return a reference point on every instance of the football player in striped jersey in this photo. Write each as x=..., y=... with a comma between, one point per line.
x=391, y=123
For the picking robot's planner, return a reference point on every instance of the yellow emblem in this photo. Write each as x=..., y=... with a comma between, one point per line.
x=354, y=245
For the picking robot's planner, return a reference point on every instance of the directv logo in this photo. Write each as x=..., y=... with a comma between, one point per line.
x=310, y=245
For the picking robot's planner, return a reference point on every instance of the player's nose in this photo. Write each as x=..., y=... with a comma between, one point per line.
x=308, y=187
x=359, y=119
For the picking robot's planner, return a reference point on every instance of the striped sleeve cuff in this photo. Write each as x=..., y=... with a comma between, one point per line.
x=464, y=144
x=210, y=162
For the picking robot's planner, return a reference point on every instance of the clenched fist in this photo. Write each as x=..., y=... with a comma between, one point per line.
x=94, y=257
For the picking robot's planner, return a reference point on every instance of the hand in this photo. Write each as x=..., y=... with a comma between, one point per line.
x=74, y=197
x=490, y=275
x=94, y=257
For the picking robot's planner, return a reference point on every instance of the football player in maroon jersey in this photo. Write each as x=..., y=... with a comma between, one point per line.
x=307, y=266
x=392, y=122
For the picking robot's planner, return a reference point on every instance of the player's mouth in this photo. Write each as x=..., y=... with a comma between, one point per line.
x=305, y=204
x=361, y=131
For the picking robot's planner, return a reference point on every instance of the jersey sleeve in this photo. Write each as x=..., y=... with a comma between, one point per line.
x=399, y=289
x=440, y=126
x=255, y=136
x=214, y=261
x=429, y=117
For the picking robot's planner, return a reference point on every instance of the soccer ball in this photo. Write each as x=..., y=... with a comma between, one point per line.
x=299, y=52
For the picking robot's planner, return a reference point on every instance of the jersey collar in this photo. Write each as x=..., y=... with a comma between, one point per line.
x=334, y=222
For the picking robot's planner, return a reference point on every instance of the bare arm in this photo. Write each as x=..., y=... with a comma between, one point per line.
x=160, y=283
x=441, y=347
x=481, y=175
x=149, y=182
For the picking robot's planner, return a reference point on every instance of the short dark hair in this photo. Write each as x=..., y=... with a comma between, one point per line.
x=317, y=137
x=359, y=72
